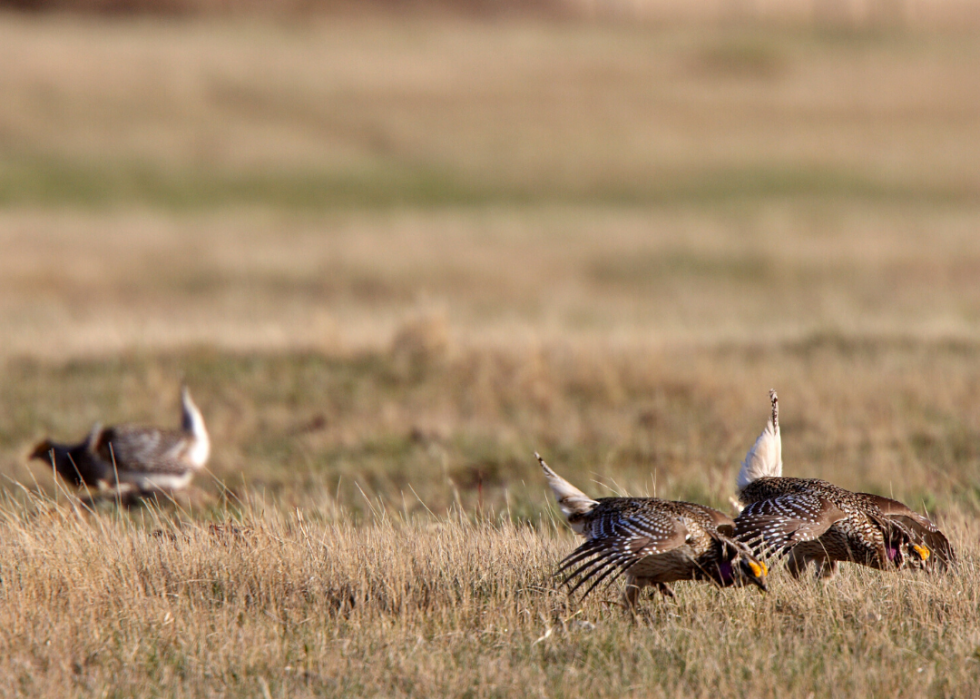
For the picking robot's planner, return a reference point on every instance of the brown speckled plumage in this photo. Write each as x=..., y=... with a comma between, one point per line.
x=652, y=542
x=921, y=530
x=814, y=521
x=143, y=458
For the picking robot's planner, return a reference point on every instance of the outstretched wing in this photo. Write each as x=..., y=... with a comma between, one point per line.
x=920, y=529
x=776, y=525
x=143, y=449
x=624, y=542
x=712, y=518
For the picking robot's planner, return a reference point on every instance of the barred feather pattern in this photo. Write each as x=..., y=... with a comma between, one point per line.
x=656, y=542
x=923, y=533
x=145, y=449
x=812, y=520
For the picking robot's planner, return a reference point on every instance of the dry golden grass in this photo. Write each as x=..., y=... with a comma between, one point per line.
x=283, y=605
x=347, y=112
x=392, y=259
x=273, y=187
x=892, y=416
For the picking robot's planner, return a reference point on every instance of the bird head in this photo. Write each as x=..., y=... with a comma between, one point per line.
x=42, y=451
x=739, y=567
x=752, y=571
x=919, y=556
x=904, y=550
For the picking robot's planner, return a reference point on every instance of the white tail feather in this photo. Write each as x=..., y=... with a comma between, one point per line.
x=571, y=500
x=93, y=436
x=765, y=458
x=192, y=422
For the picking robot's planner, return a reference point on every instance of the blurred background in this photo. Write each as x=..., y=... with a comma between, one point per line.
x=394, y=247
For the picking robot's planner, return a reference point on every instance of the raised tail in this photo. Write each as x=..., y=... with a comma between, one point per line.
x=192, y=423
x=572, y=501
x=92, y=440
x=765, y=458
x=191, y=418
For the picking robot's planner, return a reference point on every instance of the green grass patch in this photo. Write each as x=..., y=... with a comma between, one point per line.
x=62, y=183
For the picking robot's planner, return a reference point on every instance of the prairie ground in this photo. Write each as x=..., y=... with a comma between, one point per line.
x=394, y=258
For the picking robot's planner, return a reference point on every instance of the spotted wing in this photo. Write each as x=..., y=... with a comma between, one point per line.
x=625, y=540
x=713, y=518
x=143, y=449
x=775, y=526
x=921, y=529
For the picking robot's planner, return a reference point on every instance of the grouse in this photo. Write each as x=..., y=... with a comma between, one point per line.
x=812, y=521
x=652, y=542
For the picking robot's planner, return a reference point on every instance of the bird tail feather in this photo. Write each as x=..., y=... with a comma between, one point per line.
x=571, y=500
x=765, y=458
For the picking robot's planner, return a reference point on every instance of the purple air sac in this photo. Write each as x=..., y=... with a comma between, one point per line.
x=892, y=553
x=725, y=573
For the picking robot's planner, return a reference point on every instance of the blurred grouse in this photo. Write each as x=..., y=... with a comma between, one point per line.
x=141, y=458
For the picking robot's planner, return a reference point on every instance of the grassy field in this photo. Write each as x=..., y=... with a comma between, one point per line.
x=392, y=259
x=305, y=605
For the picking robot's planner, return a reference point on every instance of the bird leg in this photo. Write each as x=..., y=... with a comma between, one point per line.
x=632, y=592
x=826, y=569
x=635, y=585
x=796, y=564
